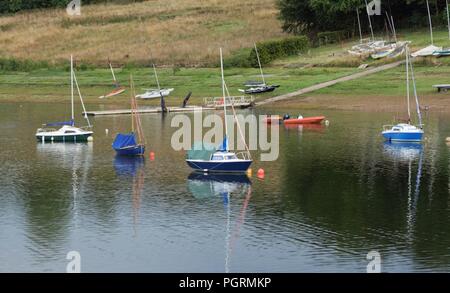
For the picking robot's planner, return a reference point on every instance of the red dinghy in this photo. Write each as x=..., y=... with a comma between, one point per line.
x=307, y=120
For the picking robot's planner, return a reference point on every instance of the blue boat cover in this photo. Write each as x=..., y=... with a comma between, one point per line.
x=124, y=140
x=70, y=123
x=224, y=146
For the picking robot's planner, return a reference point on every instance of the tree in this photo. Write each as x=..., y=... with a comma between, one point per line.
x=312, y=16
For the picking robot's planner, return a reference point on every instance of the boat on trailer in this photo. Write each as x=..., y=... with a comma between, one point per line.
x=211, y=159
x=131, y=144
x=67, y=131
x=406, y=131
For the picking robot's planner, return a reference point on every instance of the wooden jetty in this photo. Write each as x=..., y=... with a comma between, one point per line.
x=149, y=110
x=238, y=102
x=210, y=104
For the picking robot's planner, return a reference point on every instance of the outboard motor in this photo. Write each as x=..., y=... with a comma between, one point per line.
x=286, y=117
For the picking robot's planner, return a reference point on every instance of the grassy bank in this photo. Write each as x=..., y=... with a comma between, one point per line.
x=53, y=85
x=187, y=32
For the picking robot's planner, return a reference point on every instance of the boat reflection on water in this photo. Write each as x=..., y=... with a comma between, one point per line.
x=409, y=152
x=210, y=185
x=128, y=166
x=403, y=151
x=132, y=168
x=205, y=186
x=320, y=128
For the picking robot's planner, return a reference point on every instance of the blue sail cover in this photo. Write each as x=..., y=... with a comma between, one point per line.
x=224, y=146
x=124, y=140
x=69, y=123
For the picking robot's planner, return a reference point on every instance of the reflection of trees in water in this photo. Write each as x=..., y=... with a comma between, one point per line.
x=50, y=194
x=370, y=196
x=230, y=188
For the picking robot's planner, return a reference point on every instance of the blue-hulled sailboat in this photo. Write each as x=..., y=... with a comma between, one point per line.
x=406, y=131
x=220, y=159
x=68, y=132
x=131, y=144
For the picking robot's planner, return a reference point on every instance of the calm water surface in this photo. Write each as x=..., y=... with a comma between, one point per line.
x=334, y=194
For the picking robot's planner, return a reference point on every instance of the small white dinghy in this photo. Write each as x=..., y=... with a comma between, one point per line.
x=155, y=93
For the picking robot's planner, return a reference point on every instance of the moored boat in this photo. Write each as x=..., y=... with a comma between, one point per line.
x=131, y=144
x=406, y=131
x=219, y=159
x=68, y=132
x=306, y=120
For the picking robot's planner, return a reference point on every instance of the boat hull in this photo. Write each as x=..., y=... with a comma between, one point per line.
x=138, y=150
x=238, y=166
x=403, y=136
x=310, y=120
x=63, y=138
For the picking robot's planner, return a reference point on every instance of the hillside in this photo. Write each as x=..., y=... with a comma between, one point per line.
x=187, y=32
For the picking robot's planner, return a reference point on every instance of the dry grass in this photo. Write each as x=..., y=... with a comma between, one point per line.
x=183, y=32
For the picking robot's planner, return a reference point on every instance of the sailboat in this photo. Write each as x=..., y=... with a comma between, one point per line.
x=155, y=93
x=431, y=49
x=211, y=159
x=131, y=144
x=68, y=132
x=406, y=131
x=118, y=89
x=257, y=87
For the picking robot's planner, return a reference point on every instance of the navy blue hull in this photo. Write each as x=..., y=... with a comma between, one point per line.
x=221, y=166
x=138, y=150
x=403, y=136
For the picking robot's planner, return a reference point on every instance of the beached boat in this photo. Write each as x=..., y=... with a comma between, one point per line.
x=406, y=131
x=131, y=144
x=68, y=132
x=118, y=89
x=256, y=87
x=219, y=159
x=306, y=120
x=155, y=93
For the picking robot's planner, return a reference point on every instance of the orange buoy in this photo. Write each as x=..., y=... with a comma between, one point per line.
x=261, y=173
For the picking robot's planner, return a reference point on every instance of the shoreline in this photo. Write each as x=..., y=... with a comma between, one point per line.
x=370, y=103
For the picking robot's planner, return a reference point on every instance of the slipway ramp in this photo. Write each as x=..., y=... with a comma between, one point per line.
x=330, y=83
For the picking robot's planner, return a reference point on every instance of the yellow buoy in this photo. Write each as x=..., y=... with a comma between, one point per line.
x=249, y=172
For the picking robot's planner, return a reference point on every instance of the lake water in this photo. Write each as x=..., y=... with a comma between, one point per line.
x=334, y=194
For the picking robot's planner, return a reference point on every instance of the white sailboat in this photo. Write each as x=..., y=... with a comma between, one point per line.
x=68, y=132
x=155, y=93
x=431, y=49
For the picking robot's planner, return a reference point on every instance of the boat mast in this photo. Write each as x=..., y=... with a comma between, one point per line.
x=112, y=71
x=259, y=63
x=71, y=87
x=448, y=19
x=156, y=77
x=132, y=103
x=407, y=83
x=359, y=26
x=419, y=114
x=370, y=21
x=431, y=26
x=224, y=100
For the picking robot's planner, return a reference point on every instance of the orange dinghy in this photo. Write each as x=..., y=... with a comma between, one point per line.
x=307, y=120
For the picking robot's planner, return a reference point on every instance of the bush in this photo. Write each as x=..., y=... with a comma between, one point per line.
x=240, y=58
x=21, y=65
x=271, y=50
x=332, y=37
